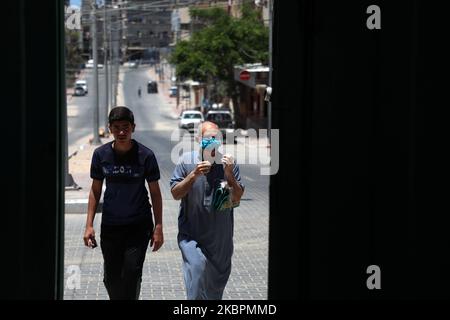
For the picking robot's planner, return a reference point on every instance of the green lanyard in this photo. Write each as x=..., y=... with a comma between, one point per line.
x=221, y=196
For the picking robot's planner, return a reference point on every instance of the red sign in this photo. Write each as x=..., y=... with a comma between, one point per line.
x=244, y=75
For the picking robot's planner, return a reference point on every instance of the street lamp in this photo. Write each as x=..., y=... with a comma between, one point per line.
x=96, y=139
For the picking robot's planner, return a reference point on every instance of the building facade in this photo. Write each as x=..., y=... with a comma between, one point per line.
x=252, y=80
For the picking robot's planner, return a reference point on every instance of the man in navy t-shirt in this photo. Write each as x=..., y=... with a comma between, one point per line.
x=127, y=224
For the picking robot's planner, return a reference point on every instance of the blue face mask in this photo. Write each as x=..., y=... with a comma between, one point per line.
x=209, y=143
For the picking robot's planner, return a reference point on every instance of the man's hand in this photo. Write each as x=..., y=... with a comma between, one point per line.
x=89, y=238
x=157, y=238
x=182, y=188
x=228, y=164
x=202, y=167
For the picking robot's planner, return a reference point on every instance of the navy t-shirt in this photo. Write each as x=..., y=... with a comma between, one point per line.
x=126, y=199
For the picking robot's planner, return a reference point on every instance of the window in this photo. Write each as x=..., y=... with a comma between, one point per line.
x=192, y=116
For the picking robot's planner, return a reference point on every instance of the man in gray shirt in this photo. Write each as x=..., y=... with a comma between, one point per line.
x=205, y=234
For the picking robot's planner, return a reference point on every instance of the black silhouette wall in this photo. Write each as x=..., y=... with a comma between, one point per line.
x=363, y=172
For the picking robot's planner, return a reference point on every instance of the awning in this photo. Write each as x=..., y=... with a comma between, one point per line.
x=191, y=83
x=136, y=48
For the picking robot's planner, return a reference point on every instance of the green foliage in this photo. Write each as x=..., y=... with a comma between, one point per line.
x=223, y=42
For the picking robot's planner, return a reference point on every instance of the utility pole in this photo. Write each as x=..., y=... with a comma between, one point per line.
x=96, y=139
x=113, y=43
x=110, y=63
x=115, y=55
x=105, y=66
x=177, y=39
x=269, y=104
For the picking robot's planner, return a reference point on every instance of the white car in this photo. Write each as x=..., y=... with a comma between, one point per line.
x=83, y=84
x=90, y=64
x=190, y=119
x=130, y=64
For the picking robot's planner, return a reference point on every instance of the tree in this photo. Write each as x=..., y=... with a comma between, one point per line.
x=223, y=42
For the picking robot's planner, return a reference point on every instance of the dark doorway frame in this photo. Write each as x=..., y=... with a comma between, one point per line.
x=386, y=211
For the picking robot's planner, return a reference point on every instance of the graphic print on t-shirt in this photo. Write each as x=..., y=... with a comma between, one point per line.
x=122, y=171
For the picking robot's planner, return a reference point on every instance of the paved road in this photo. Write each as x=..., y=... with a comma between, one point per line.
x=81, y=111
x=162, y=278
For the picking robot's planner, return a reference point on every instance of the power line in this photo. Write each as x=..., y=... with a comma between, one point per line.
x=142, y=7
x=143, y=15
x=137, y=14
x=130, y=37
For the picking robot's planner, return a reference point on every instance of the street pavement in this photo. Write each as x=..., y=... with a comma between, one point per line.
x=156, y=118
x=80, y=112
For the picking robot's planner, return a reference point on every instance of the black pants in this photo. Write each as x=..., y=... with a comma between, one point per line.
x=124, y=248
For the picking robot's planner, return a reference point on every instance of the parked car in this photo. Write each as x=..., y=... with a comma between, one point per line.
x=224, y=119
x=79, y=91
x=131, y=64
x=173, y=91
x=190, y=119
x=82, y=84
x=152, y=87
